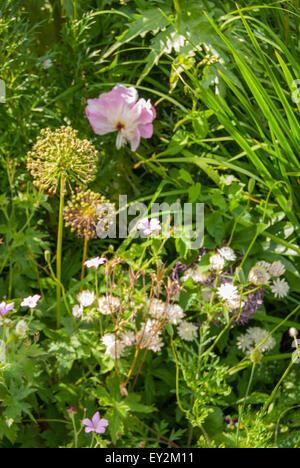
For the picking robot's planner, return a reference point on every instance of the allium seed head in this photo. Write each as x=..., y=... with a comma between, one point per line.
x=60, y=153
x=82, y=213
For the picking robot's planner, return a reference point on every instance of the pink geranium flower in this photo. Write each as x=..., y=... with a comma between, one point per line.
x=96, y=424
x=5, y=308
x=148, y=227
x=95, y=262
x=121, y=111
x=31, y=301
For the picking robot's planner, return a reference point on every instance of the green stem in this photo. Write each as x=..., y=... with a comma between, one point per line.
x=59, y=250
x=244, y=403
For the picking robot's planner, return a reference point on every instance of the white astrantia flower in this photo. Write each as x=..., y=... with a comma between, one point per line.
x=196, y=275
x=217, y=262
x=77, y=311
x=157, y=309
x=234, y=302
x=253, y=338
x=227, y=253
x=227, y=291
x=187, y=331
x=108, y=305
x=86, y=298
x=277, y=269
x=174, y=313
x=128, y=338
x=22, y=329
x=258, y=275
x=114, y=349
x=245, y=343
x=149, y=336
x=280, y=288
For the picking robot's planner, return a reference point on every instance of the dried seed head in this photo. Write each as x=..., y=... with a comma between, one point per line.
x=81, y=213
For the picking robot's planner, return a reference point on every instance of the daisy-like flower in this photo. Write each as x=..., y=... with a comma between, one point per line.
x=280, y=288
x=227, y=291
x=22, y=329
x=120, y=111
x=148, y=227
x=108, y=305
x=187, y=331
x=5, y=308
x=114, y=348
x=277, y=269
x=227, y=253
x=196, y=275
x=31, y=301
x=95, y=262
x=86, y=298
x=96, y=424
x=258, y=275
x=217, y=262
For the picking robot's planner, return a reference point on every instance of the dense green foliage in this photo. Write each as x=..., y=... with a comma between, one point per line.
x=223, y=80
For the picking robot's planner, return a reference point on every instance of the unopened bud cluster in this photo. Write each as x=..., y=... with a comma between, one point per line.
x=60, y=153
x=82, y=213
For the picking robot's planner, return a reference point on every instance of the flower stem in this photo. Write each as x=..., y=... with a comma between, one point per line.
x=84, y=258
x=59, y=250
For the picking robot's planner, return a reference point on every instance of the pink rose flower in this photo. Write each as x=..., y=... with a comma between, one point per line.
x=121, y=111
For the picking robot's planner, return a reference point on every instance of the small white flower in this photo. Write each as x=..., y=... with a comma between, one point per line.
x=174, y=313
x=31, y=301
x=227, y=291
x=229, y=179
x=196, y=275
x=22, y=329
x=157, y=309
x=277, y=269
x=114, y=349
x=149, y=336
x=148, y=227
x=217, y=262
x=280, y=288
x=128, y=338
x=95, y=262
x=77, y=311
x=187, y=331
x=253, y=338
x=108, y=305
x=234, y=303
x=259, y=276
x=227, y=253
x=245, y=342
x=47, y=64
x=86, y=298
